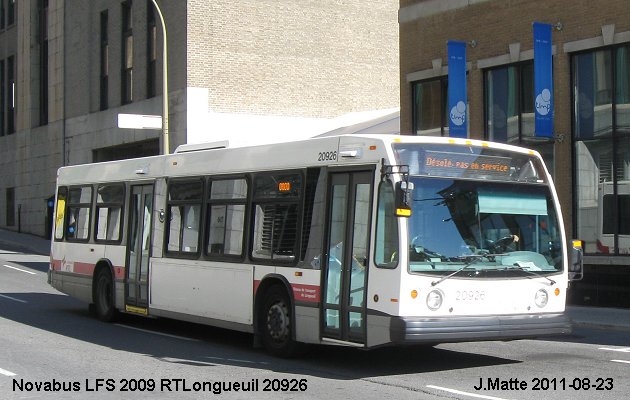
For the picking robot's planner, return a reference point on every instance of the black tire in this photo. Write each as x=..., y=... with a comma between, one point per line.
x=276, y=325
x=104, y=307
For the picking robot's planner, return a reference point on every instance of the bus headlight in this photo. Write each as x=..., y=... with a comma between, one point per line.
x=434, y=299
x=541, y=298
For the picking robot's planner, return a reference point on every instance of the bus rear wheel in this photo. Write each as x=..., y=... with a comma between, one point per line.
x=104, y=296
x=276, y=324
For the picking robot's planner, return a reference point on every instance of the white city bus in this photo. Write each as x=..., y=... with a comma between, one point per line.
x=357, y=240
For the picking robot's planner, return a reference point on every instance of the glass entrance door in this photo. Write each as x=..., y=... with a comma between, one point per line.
x=138, y=245
x=345, y=273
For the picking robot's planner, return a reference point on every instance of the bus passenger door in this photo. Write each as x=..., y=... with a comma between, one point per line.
x=138, y=245
x=345, y=272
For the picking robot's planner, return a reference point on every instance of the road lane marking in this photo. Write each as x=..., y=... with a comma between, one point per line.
x=6, y=373
x=236, y=360
x=13, y=298
x=624, y=350
x=20, y=269
x=621, y=361
x=158, y=333
x=478, y=396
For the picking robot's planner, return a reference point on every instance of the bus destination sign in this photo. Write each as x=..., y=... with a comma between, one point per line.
x=465, y=165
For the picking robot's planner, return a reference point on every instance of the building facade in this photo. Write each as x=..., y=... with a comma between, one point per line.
x=240, y=70
x=589, y=154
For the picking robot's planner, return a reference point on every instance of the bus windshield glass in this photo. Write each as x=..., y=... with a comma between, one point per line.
x=485, y=226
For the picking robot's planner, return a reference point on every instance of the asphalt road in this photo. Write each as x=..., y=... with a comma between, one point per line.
x=51, y=347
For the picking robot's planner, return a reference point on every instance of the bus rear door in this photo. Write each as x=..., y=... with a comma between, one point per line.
x=138, y=245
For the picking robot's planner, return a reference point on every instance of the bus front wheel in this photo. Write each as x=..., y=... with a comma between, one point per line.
x=104, y=296
x=276, y=324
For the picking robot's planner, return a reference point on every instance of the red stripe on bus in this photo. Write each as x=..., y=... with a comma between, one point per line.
x=86, y=268
x=83, y=268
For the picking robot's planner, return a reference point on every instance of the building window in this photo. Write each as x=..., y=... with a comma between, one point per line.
x=43, y=61
x=10, y=95
x=601, y=120
x=429, y=107
x=151, y=49
x=11, y=11
x=2, y=15
x=127, y=53
x=104, y=81
x=10, y=204
x=509, y=108
x=3, y=91
x=509, y=103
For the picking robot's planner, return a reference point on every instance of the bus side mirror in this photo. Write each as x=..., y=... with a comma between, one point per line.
x=403, y=195
x=576, y=267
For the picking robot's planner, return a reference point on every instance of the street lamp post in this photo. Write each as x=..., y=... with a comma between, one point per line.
x=165, y=140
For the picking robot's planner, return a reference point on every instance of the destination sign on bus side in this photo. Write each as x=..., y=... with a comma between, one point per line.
x=461, y=164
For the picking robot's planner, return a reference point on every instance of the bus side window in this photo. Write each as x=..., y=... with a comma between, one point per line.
x=386, y=243
x=60, y=212
x=109, y=202
x=226, y=217
x=276, y=216
x=78, y=213
x=184, y=216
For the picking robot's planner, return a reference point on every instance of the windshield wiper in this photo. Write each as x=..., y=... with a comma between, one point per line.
x=475, y=258
x=520, y=268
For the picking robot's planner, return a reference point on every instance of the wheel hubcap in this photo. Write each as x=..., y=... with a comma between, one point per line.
x=105, y=294
x=278, y=322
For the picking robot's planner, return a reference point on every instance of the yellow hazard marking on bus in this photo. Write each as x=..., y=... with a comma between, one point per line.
x=137, y=310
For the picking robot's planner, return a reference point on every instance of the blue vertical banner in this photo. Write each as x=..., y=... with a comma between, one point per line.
x=543, y=81
x=457, y=98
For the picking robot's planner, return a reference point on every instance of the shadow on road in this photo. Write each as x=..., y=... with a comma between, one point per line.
x=595, y=336
x=208, y=347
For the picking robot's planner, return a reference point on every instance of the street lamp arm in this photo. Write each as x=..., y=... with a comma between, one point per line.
x=165, y=139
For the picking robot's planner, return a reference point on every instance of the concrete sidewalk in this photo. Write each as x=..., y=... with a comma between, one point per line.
x=25, y=242
x=594, y=317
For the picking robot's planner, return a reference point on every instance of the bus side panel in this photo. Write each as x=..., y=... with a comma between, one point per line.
x=116, y=254
x=76, y=286
x=383, y=301
x=305, y=289
x=220, y=291
x=307, y=324
x=73, y=267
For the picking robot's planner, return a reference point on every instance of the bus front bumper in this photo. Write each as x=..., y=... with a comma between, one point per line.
x=477, y=328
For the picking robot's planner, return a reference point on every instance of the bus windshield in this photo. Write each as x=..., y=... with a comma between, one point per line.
x=493, y=229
